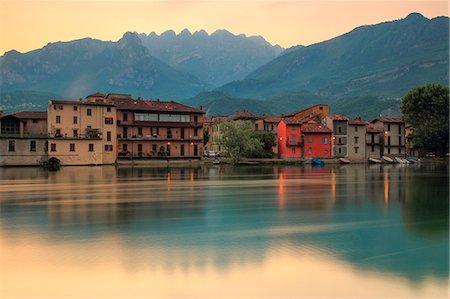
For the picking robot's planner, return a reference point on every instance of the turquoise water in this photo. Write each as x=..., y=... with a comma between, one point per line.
x=214, y=232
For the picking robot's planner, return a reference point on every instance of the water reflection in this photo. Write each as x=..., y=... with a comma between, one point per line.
x=391, y=220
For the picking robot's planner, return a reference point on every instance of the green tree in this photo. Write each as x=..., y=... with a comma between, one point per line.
x=267, y=140
x=238, y=141
x=426, y=108
x=205, y=136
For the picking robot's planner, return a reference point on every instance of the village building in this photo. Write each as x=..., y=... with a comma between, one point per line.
x=356, y=139
x=411, y=150
x=394, y=135
x=157, y=129
x=23, y=138
x=317, y=112
x=338, y=123
x=317, y=140
x=374, y=141
x=82, y=132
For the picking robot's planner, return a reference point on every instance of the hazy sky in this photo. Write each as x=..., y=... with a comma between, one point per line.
x=29, y=25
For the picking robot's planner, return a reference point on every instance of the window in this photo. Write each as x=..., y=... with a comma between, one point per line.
x=196, y=120
x=400, y=129
x=389, y=128
x=174, y=118
x=108, y=136
x=75, y=108
x=53, y=147
x=373, y=148
x=326, y=152
x=400, y=140
x=35, y=121
x=182, y=150
x=182, y=133
x=140, y=149
x=10, y=127
x=58, y=132
x=91, y=147
x=58, y=119
x=32, y=145
x=399, y=150
x=325, y=140
x=169, y=133
x=89, y=112
x=125, y=116
x=339, y=140
x=356, y=128
x=11, y=146
x=293, y=151
x=140, y=131
x=340, y=150
x=155, y=132
x=389, y=150
x=310, y=139
x=373, y=138
x=108, y=148
x=293, y=139
x=108, y=109
x=72, y=147
x=356, y=139
x=154, y=148
x=310, y=150
x=389, y=140
x=195, y=132
x=75, y=119
x=340, y=129
x=109, y=120
x=75, y=133
x=356, y=150
x=256, y=127
x=125, y=147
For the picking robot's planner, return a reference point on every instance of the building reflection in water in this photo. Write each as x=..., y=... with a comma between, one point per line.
x=198, y=218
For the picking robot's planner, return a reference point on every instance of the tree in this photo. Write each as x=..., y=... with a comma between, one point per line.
x=426, y=108
x=238, y=141
x=205, y=136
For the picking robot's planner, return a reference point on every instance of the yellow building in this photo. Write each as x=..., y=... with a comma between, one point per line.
x=82, y=132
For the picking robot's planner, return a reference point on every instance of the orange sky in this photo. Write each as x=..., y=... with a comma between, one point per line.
x=29, y=25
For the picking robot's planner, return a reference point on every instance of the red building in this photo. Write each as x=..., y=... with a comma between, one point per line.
x=303, y=138
x=317, y=140
x=289, y=135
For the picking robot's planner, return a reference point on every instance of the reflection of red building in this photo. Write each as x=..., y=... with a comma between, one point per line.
x=303, y=138
x=317, y=140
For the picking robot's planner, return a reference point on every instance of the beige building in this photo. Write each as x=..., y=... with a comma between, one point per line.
x=339, y=125
x=356, y=133
x=82, y=132
x=394, y=135
x=23, y=138
x=374, y=140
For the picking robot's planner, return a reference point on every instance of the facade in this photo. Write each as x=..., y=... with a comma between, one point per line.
x=356, y=141
x=157, y=129
x=338, y=124
x=82, y=132
x=317, y=140
x=23, y=138
x=394, y=135
x=411, y=150
x=289, y=138
x=374, y=141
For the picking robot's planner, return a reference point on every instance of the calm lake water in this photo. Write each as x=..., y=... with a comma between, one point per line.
x=247, y=232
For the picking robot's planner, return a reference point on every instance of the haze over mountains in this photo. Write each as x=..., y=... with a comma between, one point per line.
x=370, y=67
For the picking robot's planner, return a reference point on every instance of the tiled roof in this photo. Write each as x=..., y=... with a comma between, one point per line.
x=304, y=110
x=97, y=95
x=31, y=114
x=295, y=121
x=315, y=128
x=338, y=117
x=171, y=106
x=388, y=120
x=356, y=122
x=272, y=119
x=244, y=115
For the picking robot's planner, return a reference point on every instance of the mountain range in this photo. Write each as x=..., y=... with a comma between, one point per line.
x=371, y=67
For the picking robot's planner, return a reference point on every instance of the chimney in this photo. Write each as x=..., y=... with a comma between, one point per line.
x=201, y=107
x=157, y=99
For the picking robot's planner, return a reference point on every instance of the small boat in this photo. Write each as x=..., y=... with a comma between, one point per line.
x=387, y=159
x=373, y=160
x=317, y=162
x=411, y=159
x=344, y=161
